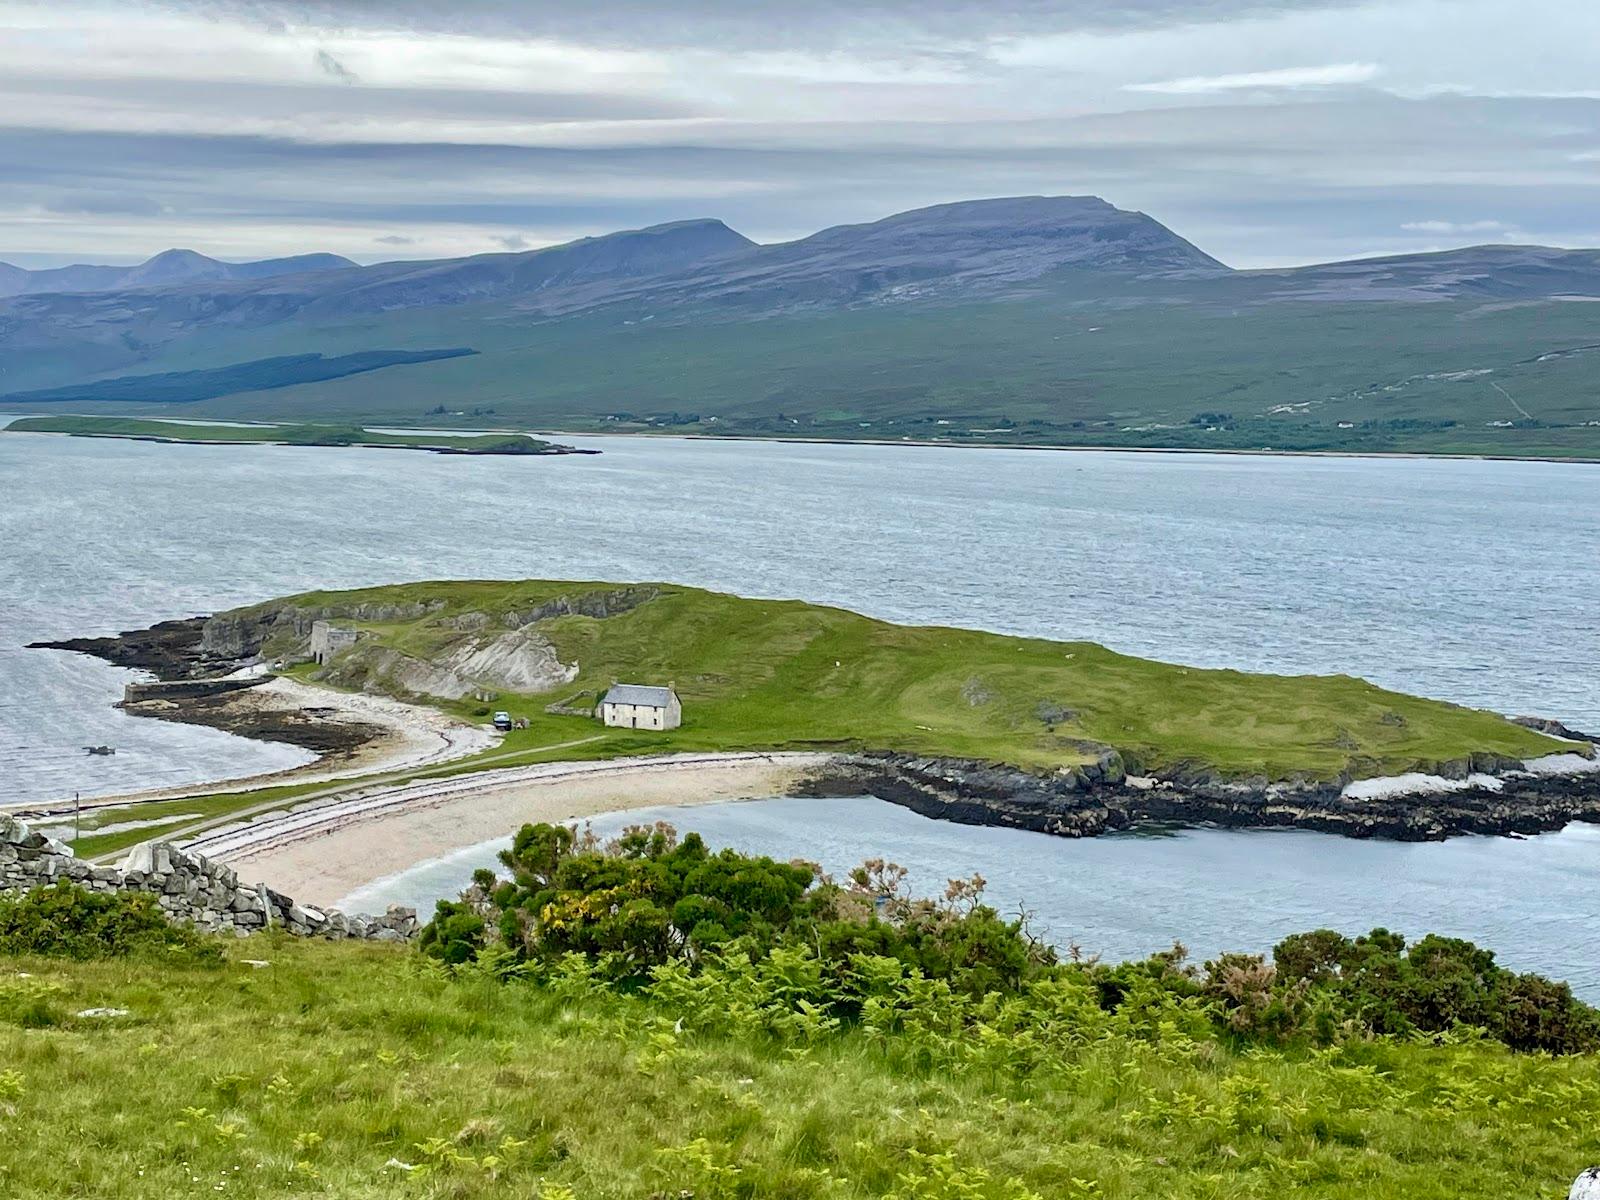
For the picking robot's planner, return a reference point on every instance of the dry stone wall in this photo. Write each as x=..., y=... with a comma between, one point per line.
x=189, y=887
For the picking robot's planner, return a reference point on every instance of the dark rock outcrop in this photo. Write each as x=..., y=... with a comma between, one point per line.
x=170, y=650
x=1084, y=802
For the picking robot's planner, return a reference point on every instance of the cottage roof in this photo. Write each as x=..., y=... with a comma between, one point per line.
x=638, y=693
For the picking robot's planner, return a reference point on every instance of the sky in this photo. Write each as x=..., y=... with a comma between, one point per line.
x=1268, y=132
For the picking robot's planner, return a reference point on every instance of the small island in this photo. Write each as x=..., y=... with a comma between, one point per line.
x=147, y=430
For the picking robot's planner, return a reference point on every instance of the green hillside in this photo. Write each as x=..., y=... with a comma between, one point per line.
x=757, y=674
x=1204, y=371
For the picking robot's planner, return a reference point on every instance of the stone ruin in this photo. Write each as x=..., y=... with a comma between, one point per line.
x=189, y=888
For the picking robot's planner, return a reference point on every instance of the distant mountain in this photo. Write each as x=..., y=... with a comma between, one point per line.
x=612, y=260
x=993, y=241
x=1475, y=272
x=951, y=251
x=1040, y=319
x=981, y=248
x=168, y=268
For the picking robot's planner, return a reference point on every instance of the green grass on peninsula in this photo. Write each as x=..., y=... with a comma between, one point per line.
x=762, y=674
x=278, y=435
x=352, y=1071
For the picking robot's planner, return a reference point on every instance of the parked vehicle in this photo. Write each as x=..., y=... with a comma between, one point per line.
x=502, y=722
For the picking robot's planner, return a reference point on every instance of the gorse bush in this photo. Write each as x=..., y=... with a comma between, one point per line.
x=65, y=921
x=747, y=943
x=1437, y=984
x=647, y=899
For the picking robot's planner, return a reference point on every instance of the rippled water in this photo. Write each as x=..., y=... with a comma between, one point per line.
x=1535, y=901
x=1470, y=581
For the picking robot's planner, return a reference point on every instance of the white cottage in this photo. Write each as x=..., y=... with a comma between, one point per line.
x=636, y=706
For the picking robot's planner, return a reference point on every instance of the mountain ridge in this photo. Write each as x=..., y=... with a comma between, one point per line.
x=169, y=267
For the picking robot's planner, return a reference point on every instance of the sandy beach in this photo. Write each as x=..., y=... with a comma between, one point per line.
x=411, y=735
x=322, y=852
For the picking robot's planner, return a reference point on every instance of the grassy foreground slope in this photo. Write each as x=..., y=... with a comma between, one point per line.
x=763, y=674
x=278, y=435
x=353, y=1071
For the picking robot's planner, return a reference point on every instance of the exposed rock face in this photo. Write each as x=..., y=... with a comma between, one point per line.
x=208, y=647
x=243, y=635
x=188, y=887
x=599, y=605
x=522, y=660
x=1083, y=802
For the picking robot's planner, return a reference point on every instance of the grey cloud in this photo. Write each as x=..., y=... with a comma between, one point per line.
x=740, y=23
x=286, y=100
x=106, y=203
x=329, y=65
x=780, y=145
x=1250, y=184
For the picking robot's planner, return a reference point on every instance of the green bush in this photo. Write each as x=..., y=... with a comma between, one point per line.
x=753, y=944
x=65, y=921
x=1436, y=985
x=647, y=898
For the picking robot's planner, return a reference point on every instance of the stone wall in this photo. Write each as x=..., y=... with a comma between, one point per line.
x=185, y=689
x=189, y=887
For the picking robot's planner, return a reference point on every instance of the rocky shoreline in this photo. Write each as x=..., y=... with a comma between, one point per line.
x=178, y=651
x=1100, y=799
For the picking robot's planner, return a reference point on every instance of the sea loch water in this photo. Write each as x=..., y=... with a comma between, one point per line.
x=1536, y=900
x=1468, y=581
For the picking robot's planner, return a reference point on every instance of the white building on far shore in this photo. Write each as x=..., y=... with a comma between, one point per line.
x=637, y=706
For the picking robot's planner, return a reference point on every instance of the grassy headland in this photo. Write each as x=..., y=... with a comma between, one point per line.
x=282, y=435
x=784, y=674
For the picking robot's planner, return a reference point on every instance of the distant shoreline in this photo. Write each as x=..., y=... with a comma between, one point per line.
x=314, y=435
x=801, y=440
x=798, y=440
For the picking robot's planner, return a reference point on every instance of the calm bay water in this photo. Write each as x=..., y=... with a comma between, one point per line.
x=1468, y=581
x=1535, y=901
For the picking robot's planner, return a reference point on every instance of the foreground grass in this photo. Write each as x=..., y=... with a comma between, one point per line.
x=323, y=1072
x=278, y=435
x=766, y=674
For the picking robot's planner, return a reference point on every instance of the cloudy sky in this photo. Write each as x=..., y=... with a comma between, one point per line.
x=1266, y=131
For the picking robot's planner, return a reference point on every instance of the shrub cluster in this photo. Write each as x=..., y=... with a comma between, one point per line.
x=650, y=910
x=65, y=921
x=647, y=898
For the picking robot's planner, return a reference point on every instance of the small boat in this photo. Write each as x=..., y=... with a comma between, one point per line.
x=101, y=749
